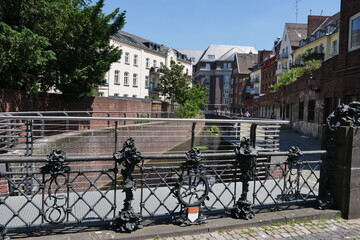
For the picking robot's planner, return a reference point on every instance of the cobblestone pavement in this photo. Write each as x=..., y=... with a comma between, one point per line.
x=328, y=229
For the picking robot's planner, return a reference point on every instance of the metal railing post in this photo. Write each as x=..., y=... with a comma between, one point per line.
x=116, y=136
x=67, y=122
x=253, y=134
x=193, y=134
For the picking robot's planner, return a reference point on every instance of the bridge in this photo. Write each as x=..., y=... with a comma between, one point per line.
x=86, y=168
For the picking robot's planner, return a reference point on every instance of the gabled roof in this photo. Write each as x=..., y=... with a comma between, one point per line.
x=224, y=52
x=244, y=61
x=296, y=32
x=332, y=20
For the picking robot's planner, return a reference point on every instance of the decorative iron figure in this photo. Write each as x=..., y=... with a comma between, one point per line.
x=192, y=190
x=344, y=113
x=55, y=202
x=129, y=157
x=246, y=159
x=292, y=191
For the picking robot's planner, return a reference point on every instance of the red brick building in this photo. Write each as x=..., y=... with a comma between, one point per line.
x=308, y=101
x=241, y=99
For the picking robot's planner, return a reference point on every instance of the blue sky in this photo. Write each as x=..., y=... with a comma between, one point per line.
x=195, y=24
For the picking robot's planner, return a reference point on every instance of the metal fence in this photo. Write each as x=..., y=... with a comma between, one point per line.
x=171, y=172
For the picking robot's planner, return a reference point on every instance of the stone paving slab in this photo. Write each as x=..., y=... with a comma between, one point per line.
x=325, y=229
x=262, y=226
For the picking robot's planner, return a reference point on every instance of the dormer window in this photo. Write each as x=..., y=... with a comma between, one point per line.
x=211, y=56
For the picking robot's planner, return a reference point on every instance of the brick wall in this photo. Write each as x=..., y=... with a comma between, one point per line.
x=18, y=101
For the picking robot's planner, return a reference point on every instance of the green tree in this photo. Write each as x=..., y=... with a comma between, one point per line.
x=174, y=84
x=64, y=43
x=192, y=102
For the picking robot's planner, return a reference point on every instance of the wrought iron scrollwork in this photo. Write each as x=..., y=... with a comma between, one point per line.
x=292, y=190
x=129, y=157
x=192, y=188
x=246, y=159
x=55, y=202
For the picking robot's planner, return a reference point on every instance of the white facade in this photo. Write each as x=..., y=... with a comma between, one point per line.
x=285, y=57
x=255, y=79
x=137, y=69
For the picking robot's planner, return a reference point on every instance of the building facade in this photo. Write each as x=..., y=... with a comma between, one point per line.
x=214, y=69
x=241, y=96
x=307, y=102
x=137, y=72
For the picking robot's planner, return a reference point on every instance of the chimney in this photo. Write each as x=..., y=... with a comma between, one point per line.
x=314, y=22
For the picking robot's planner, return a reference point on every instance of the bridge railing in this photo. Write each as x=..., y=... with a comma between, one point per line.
x=36, y=133
x=133, y=187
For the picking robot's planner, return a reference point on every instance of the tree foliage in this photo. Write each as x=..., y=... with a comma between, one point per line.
x=175, y=86
x=192, y=102
x=60, y=44
x=289, y=76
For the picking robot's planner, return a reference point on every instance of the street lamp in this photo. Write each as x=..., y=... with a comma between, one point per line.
x=312, y=83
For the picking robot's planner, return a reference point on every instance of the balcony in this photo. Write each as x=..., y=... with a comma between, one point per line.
x=156, y=70
x=284, y=55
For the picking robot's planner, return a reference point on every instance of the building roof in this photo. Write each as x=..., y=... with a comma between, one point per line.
x=332, y=20
x=147, y=44
x=193, y=54
x=296, y=32
x=245, y=61
x=224, y=52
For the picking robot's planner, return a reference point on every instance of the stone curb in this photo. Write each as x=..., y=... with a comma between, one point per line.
x=170, y=230
x=213, y=225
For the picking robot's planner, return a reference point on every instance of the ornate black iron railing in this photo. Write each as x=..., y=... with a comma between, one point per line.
x=185, y=187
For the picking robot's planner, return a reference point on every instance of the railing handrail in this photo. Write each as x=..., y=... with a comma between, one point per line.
x=259, y=121
x=26, y=159
x=42, y=112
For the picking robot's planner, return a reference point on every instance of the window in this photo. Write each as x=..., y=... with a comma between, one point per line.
x=354, y=34
x=147, y=64
x=146, y=82
x=227, y=65
x=207, y=66
x=134, y=96
x=116, y=94
x=135, y=60
x=311, y=110
x=211, y=56
x=127, y=57
x=301, y=110
x=126, y=79
x=116, y=77
x=321, y=48
x=334, y=46
x=134, y=80
x=154, y=63
x=126, y=95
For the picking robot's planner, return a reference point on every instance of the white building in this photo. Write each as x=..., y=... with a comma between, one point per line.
x=293, y=33
x=139, y=69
